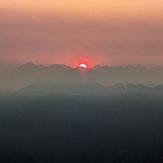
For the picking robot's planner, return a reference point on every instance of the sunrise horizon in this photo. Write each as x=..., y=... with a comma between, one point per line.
x=77, y=66
x=81, y=81
x=107, y=32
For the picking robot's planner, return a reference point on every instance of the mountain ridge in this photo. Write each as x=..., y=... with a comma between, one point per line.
x=30, y=73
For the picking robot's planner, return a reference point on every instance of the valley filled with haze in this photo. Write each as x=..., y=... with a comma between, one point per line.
x=64, y=114
x=81, y=81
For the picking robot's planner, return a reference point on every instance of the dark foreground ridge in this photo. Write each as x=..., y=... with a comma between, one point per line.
x=82, y=123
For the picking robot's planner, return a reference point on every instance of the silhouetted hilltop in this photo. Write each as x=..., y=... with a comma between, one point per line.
x=90, y=89
x=29, y=73
x=43, y=88
x=124, y=75
x=50, y=88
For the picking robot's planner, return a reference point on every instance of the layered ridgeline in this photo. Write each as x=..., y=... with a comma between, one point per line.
x=91, y=90
x=30, y=73
x=55, y=116
x=86, y=122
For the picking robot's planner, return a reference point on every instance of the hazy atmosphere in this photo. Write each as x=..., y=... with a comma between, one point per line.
x=107, y=32
x=81, y=81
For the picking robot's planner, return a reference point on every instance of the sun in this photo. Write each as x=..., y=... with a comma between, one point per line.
x=83, y=65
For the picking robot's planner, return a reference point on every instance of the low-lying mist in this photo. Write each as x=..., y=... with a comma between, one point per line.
x=86, y=122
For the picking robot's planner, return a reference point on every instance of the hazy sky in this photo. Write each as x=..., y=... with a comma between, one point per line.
x=110, y=32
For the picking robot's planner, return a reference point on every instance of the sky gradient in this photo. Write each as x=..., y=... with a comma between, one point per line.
x=107, y=32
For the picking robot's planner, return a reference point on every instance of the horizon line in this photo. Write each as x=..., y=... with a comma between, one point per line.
x=97, y=65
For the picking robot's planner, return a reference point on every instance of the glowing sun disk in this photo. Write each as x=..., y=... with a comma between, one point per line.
x=83, y=65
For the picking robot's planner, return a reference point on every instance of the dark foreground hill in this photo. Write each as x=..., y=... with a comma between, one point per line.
x=118, y=124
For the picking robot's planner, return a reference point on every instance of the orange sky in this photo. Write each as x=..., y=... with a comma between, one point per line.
x=88, y=7
x=112, y=32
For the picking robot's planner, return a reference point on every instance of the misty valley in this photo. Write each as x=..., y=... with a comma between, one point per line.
x=85, y=123
x=81, y=81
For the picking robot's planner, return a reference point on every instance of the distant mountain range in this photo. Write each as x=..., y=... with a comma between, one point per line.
x=88, y=91
x=29, y=73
